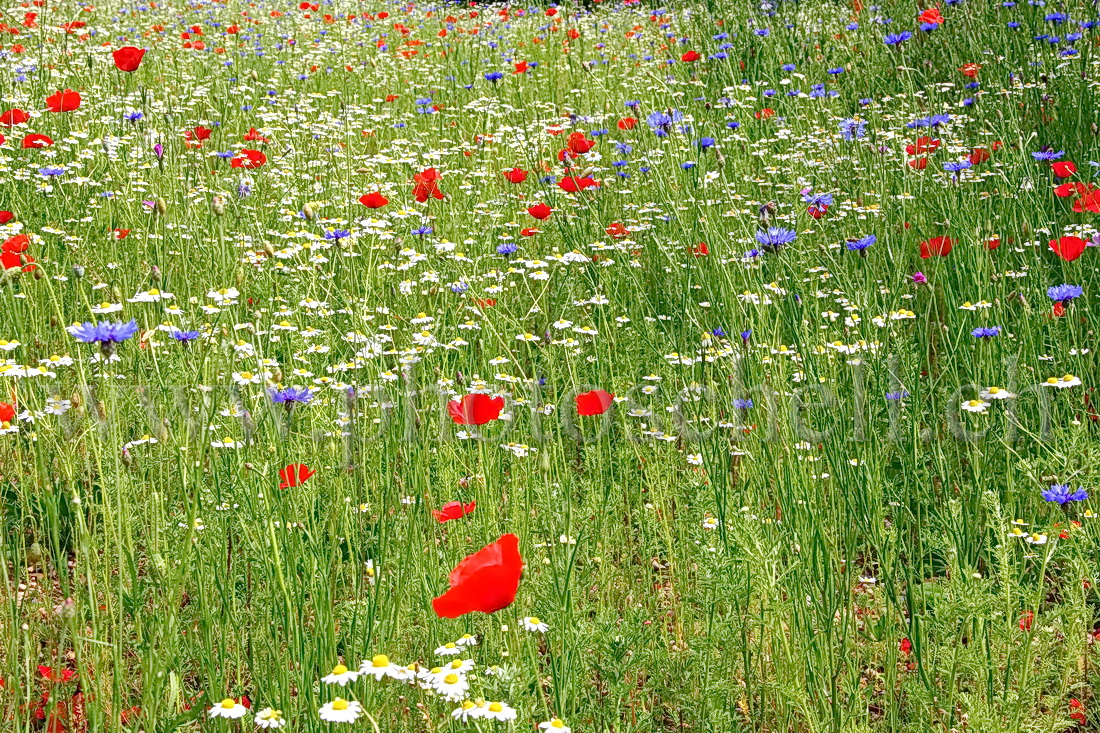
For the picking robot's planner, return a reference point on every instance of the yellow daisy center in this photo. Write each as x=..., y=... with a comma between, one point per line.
x=451, y=679
x=380, y=660
x=339, y=704
x=339, y=669
x=535, y=621
x=557, y=723
x=229, y=703
x=496, y=707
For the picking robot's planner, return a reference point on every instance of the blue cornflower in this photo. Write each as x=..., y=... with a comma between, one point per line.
x=185, y=337
x=896, y=39
x=133, y=116
x=494, y=76
x=859, y=245
x=706, y=142
x=746, y=335
x=1064, y=293
x=51, y=171
x=291, y=396
x=422, y=231
x=718, y=332
x=1062, y=494
x=853, y=129
x=506, y=249
x=956, y=166
x=337, y=234
x=897, y=396
x=106, y=334
x=1044, y=155
x=986, y=332
x=745, y=404
x=775, y=237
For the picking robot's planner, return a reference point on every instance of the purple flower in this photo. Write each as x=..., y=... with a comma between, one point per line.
x=291, y=396
x=919, y=278
x=1064, y=293
x=986, y=332
x=107, y=335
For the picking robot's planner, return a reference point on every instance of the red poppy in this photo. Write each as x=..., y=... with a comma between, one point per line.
x=199, y=133
x=1090, y=201
x=294, y=474
x=47, y=672
x=932, y=15
x=1025, y=620
x=979, y=155
x=529, y=231
x=37, y=140
x=572, y=184
x=817, y=210
x=1059, y=309
x=7, y=413
x=1068, y=248
x=475, y=409
x=918, y=163
x=516, y=175
x=426, y=184
x=936, y=247
x=617, y=231
x=248, y=159
x=2, y=138
x=993, y=243
x=905, y=646
x=701, y=250
x=924, y=144
x=5, y=217
x=596, y=402
x=1063, y=168
x=970, y=69
x=13, y=117
x=1072, y=188
x=65, y=101
x=17, y=244
x=453, y=510
x=128, y=58
x=690, y=56
x=579, y=144
x=120, y=233
x=373, y=200
x=486, y=581
x=254, y=135
x=627, y=123
x=540, y=211
x=521, y=67
x=764, y=114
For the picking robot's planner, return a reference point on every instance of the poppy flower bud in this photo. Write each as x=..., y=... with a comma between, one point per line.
x=66, y=609
x=127, y=459
x=248, y=466
x=78, y=271
x=162, y=206
x=38, y=273
x=217, y=205
x=307, y=212
x=154, y=274
x=269, y=249
x=53, y=321
x=239, y=276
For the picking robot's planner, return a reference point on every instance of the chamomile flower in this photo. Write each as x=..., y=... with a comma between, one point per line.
x=378, y=666
x=1067, y=380
x=270, y=718
x=469, y=710
x=452, y=686
x=341, y=711
x=975, y=406
x=534, y=623
x=340, y=675
x=995, y=393
x=448, y=649
x=501, y=711
x=229, y=709
x=466, y=640
x=555, y=725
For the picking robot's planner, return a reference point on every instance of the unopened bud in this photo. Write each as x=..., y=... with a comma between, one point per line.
x=162, y=206
x=217, y=203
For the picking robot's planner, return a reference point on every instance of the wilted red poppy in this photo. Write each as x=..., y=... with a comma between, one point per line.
x=617, y=231
x=595, y=402
x=690, y=56
x=128, y=58
x=572, y=184
x=1059, y=309
x=516, y=175
x=1068, y=248
x=47, y=672
x=540, y=211
x=5, y=217
x=475, y=409
x=37, y=140
x=373, y=200
x=248, y=159
x=13, y=117
x=254, y=135
x=453, y=510
x=294, y=474
x=936, y=247
x=65, y=101
x=426, y=184
x=7, y=413
x=905, y=646
x=1063, y=168
x=626, y=123
x=486, y=581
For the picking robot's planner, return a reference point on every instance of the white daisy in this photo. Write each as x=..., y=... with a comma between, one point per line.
x=341, y=675
x=341, y=711
x=270, y=718
x=229, y=709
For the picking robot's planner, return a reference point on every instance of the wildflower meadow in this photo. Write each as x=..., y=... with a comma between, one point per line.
x=593, y=367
